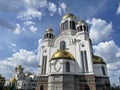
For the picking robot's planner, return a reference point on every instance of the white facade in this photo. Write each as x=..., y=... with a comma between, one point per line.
x=22, y=80
x=68, y=59
x=75, y=42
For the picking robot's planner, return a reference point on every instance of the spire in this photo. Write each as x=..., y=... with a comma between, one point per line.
x=68, y=9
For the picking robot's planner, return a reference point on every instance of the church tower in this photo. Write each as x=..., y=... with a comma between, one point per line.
x=67, y=61
x=68, y=24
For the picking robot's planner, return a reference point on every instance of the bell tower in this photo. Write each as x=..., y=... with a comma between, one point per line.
x=68, y=24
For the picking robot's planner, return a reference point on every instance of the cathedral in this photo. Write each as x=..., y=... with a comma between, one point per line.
x=67, y=61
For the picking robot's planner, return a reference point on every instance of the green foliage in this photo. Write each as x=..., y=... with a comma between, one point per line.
x=115, y=88
x=2, y=82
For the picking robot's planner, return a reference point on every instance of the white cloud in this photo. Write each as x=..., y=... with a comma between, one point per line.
x=30, y=14
x=62, y=8
x=100, y=30
x=118, y=9
x=52, y=8
x=33, y=29
x=29, y=23
x=11, y=46
x=27, y=58
x=17, y=29
x=110, y=52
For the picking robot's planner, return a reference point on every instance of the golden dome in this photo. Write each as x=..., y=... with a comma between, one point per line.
x=81, y=22
x=69, y=15
x=62, y=54
x=19, y=67
x=49, y=30
x=98, y=60
x=12, y=80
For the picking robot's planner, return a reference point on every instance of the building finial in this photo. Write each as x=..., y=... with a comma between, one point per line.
x=49, y=26
x=68, y=10
x=80, y=18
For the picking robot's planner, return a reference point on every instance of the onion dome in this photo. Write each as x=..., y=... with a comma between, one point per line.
x=69, y=15
x=13, y=80
x=98, y=60
x=82, y=26
x=49, y=30
x=81, y=22
x=49, y=34
x=20, y=67
x=62, y=54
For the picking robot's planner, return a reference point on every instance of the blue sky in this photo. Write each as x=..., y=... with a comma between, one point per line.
x=23, y=23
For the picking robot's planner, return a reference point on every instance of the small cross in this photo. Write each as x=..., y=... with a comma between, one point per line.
x=68, y=9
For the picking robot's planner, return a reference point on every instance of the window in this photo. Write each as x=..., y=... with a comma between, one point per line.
x=72, y=24
x=80, y=28
x=67, y=67
x=103, y=70
x=41, y=87
x=62, y=45
x=83, y=65
x=85, y=54
x=65, y=25
x=84, y=61
x=62, y=26
x=84, y=27
x=44, y=61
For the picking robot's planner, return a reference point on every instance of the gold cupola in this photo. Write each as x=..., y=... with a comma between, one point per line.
x=82, y=26
x=49, y=34
x=68, y=23
x=68, y=15
x=19, y=67
x=98, y=60
x=13, y=80
x=62, y=54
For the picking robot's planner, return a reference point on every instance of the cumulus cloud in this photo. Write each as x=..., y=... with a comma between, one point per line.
x=11, y=46
x=30, y=14
x=29, y=23
x=100, y=30
x=17, y=29
x=118, y=9
x=62, y=8
x=110, y=52
x=33, y=29
x=52, y=8
x=27, y=58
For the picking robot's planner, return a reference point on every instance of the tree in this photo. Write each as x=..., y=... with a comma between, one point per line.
x=2, y=82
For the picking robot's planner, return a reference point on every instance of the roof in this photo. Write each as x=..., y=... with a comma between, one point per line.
x=62, y=54
x=98, y=60
x=69, y=15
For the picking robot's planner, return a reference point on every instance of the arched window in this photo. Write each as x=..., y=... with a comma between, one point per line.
x=62, y=45
x=67, y=67
x=80, y=28
x=41, y=87
x=87, y=87
x=72, y=24
x=65, y=25
x=103, y=70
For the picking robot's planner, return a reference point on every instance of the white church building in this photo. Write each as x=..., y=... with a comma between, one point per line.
x=22, y=80
x=67, y=61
